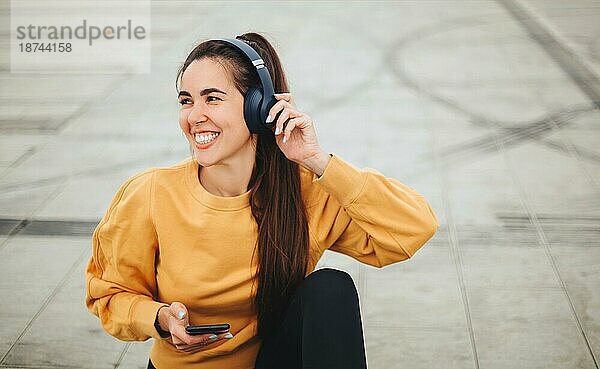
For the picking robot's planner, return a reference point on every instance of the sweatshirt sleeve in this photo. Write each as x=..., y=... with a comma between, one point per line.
x=120, y=274
x=363, y=214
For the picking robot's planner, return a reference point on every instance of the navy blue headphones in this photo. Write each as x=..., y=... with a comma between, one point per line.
x=258, y=100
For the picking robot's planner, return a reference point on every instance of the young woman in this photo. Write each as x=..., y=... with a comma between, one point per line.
x=233, y=234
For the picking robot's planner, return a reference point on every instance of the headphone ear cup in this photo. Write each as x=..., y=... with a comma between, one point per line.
x=252, y=109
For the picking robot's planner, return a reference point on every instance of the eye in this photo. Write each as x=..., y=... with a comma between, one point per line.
x=182, y=101
x=213, y=97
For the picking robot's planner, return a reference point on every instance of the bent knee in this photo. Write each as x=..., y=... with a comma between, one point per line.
x=330, y=279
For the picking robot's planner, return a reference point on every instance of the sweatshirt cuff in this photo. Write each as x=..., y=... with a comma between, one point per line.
x=144, y=315
x=342, y=180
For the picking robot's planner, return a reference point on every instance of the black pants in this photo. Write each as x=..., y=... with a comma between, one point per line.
x=321, y=327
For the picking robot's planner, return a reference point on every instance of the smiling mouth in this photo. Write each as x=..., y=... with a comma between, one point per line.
x=203, y=139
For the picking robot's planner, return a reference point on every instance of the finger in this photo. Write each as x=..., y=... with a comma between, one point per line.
x=178, y=331
x=202, y=344
x=279, y=105
x=206, y=337
x=182, y=346
x=285, y=96
x=203, y=338
x=291, y=124
x=193, y=340
x=205, y=341
x=188, y=348
x=183, y=343
x=177, y=342
x=180, y=311
x=281, y=121
x=286, y=115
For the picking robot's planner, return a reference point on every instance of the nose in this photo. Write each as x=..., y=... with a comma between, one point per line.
x=196, y=115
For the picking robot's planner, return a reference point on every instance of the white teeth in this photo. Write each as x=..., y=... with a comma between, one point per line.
x=205, y=138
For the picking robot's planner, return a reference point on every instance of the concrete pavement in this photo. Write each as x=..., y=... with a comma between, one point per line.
x=490, y=109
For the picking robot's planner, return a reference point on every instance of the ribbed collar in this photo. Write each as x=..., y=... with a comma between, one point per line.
x=208, y=199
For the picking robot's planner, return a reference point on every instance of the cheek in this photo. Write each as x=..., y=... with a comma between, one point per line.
x=240, y=132
x=183, y=120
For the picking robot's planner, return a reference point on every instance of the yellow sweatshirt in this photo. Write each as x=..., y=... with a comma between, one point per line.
x=165, y=238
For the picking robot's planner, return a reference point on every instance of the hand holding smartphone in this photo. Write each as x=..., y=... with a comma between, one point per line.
x=194, y=330
x=175, y=318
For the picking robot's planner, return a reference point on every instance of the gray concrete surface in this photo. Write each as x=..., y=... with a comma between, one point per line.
x=488, y=108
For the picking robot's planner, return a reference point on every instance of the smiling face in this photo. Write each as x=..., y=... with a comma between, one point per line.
x=211, y=105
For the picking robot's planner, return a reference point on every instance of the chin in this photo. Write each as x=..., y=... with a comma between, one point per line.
x=202, y=160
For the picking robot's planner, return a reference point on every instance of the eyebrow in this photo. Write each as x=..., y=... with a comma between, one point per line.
x=202, y=92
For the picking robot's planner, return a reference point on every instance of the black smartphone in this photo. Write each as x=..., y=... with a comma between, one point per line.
x=195, y=330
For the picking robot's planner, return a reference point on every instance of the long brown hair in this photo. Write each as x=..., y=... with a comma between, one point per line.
x=275, y=197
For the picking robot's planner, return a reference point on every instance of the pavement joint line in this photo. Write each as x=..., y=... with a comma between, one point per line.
x=560, y=219
x=514, y=135
x=392, y=61
x=31, y=184
x=66, y=120
x=22, y=224
x=392, y=58
x=81, y=258
x=122, y=355
x=3, y=244
x=512, y=287
x=43, y=367
x=30, y=151
x=25, y=126
x=59, y=227
x=585, y=79
x=587, y=154
x=433, y=327
x=454, y=242
x=551, y=121
x=413, y=37
x=573, y=152
x=549, y=41
x=558, y=50
x=523, y=197
x=476, y=119
x=27, y=219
